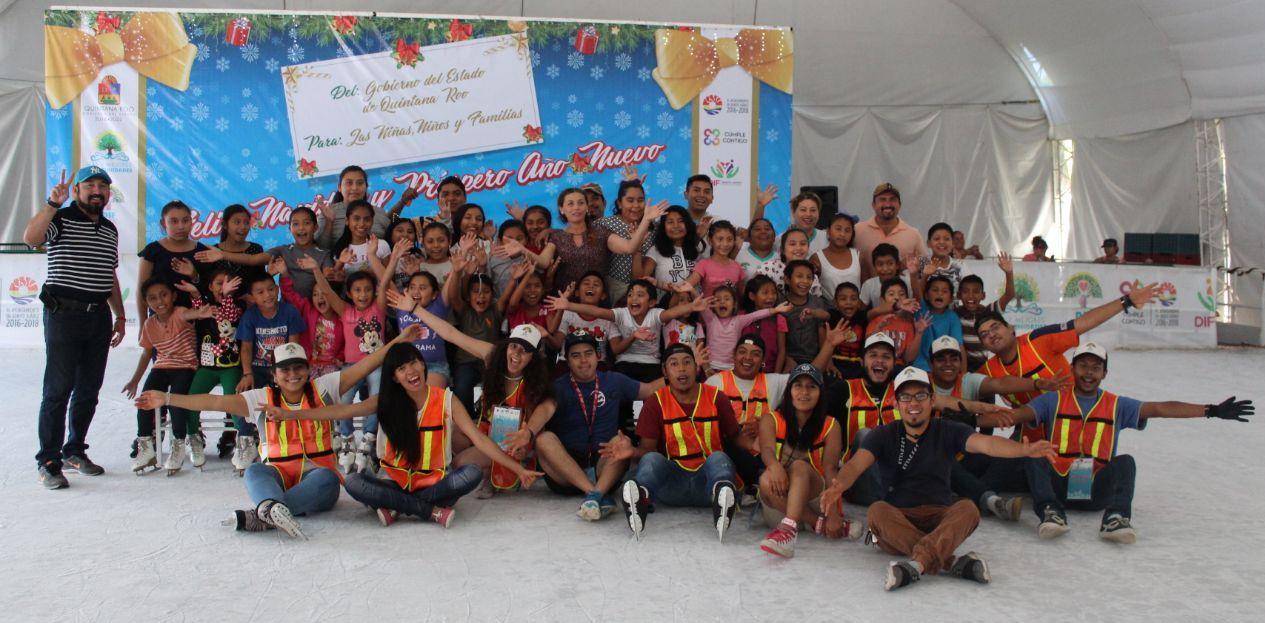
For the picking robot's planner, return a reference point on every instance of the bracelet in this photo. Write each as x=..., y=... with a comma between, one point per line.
x=51, y=204
x=244, y=375
x=1126, y=302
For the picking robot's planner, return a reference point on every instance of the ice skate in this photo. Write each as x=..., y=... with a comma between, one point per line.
x=175, y=459
x=145, y=456
x=247, y=452
x=724, y=503
x=347, y=453
x=365, y=462
x=278, y=515
x=246, y=521
x=197, y=450
x=636, y=506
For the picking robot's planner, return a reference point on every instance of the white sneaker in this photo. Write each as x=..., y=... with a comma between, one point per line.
x=364, y=454
x=145, y=456
x=246, y=452
x=347, y=454
x=1007, y=508
x=175, y=460
x=197, y=450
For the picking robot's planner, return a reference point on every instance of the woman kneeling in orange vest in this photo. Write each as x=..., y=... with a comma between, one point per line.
x=298, y=474
x=416, y=449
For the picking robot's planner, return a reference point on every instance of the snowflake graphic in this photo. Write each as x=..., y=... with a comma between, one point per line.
x=61, y=113
x=663, y=178
x=250, y=52
x=772, y=136
x=176, y=183
x=270, y=185
x=642, y=131
x=600, y=105
x=157, y=170
x=665, y=120
x=645, y=107
x=270, y=124
x=575, y=60
x=551, y=188
x=623, y=62
x=272, y=64
x=221, y=184
x=686, y=132
x=575, y=118
x=571, y=99
x=663, y=101
x=199, y=171
x=250, y=112
x=203, y=53
x=557, y=45
x=574, y=179
x=535, y=58
x=643, y=74
x=221, y=64
x=197, y=91
x=176, y=123
x=552, y=71
x=276, y=160
x=197, y=31
x=245, y=152
x=294, y=53
x=154, y=111
x=619, y=100
x=622, y=119
x=596, y=130
x=55, y=150
x=150, y=90
x=556, y=105
x=249, y=172
x=597, y=73
x=551, y=130
x=246, y=93
x=221, y=124
x=223, y=99
x=274, y=100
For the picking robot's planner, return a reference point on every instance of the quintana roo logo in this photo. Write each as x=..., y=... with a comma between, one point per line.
x=1026, y=291
x=724, y=169
x=1208, y=298
x=1165, y=293
x=1082, y=286
x=23, y=290
x=712, y=104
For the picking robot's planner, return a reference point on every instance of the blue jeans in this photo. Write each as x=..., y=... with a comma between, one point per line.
x=367, y=387
x=76, y=345
x=316, y=491
x=1112, y=490
x=669, y=483
x=384, y=493
x=465, y=376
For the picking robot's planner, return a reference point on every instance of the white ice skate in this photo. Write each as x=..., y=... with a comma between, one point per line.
x=175, y=459
x=197, y=450
x=278, y=515
x=365, y=462
x=347, y=454
x=246, y=452
x=145, y=456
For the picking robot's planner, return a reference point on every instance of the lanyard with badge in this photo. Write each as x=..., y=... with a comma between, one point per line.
x=505, y=419
x=590, y=415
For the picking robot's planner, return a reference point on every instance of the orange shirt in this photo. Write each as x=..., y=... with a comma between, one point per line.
x=1049, y=343
x=868, y=235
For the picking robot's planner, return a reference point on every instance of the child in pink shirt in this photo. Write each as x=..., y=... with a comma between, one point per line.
x=719, y=269
x=724, y=328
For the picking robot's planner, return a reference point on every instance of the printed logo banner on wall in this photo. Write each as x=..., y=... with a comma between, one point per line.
x=265, y=109
x=1183, y=314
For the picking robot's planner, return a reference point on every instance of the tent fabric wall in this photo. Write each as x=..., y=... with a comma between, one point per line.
x=1138, y=183
x=985, y=169
x=21, y=156
x=1245, y=187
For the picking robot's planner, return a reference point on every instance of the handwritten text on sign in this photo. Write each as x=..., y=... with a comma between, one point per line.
x=409, y=106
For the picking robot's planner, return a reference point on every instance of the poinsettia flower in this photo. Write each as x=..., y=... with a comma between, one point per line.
x=345, y=24
x=580, y=164
x=106, y=23
x=406, y=53
x=458, y=31
x=533, y=133
x=307, y=168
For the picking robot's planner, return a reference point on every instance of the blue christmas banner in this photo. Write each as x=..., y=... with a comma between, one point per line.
x=264, y=110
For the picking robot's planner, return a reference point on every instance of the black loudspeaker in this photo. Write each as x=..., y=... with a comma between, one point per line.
x=1162, y=248
x=829, y=202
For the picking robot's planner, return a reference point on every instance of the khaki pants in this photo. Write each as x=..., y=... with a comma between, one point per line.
x=927, y=534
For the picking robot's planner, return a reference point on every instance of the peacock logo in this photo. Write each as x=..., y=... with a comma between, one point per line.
x=23, y=290
x=1082, y=287
x=712, y=104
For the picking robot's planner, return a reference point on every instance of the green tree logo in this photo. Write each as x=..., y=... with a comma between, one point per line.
x=1026, y=289
x=109, y=143
x=1082, y=286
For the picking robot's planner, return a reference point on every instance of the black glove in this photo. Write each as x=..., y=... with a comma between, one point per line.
x=1230, y=409
x=961, y=414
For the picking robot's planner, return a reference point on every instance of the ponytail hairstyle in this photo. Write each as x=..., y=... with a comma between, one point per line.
x=624, y=187
x=229, y=213
x=397, y=413
x=337, y=197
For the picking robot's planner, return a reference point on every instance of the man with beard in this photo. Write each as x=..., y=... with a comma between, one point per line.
x=917, y=516
x=975, y=476
x=83, y=255
x=685, y=431
x=885, y=226
x=869, y=402
x=1083, y=425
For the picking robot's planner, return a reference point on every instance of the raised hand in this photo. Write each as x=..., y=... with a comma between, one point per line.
x=183, y=266
x=653, y=212
x=520, y=270
x=1231, y=409
x=349, y=257
x=515, y=210
x=766, y=196
x=209, y=255
x=150, y=400
x=231, y=284
x=908, y=305
x=701, y=303
x=553, y=268
x=322, y=208
x=410, y=264
x=401, y=301
x=489, y=229
x=1142, y=296
x=188, y=288
x=372, y=243
x=704, y=224
x=702, y=356
x=1061, y=381
x=1005, y=263
x=557, y=303
x=838, y=334
x=60, y=192
x=922, y=323
x=408, y=195
x=682, y=286
x=911, y=265
x=309, y=264
x=277, y=266
x=401, y=247
x=629, y=173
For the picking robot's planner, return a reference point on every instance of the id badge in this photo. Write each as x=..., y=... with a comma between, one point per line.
x=505, y=420
x=1080, y=481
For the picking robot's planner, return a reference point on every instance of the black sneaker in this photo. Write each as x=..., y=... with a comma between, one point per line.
x=636, y=506
x=971, y=567
x=724, y=504
x=1053, y=524
x=901, y=574
x=82, y=464
x=1118, y=529
x=51, y=476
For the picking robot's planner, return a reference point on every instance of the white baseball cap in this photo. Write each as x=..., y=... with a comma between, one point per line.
x=879, y=338
x=288, y=353
x=527, y=336
x=1090, y=348
x=911, y=375
x=945, y=342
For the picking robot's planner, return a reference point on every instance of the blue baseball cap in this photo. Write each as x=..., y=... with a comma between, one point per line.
x=90, y=172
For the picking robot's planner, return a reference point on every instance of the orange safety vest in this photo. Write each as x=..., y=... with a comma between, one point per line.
x=866, y=412
x=688, y=439
x=432, y=429
x=293, y=447
x=1076, y=434
x=748, y=407
x=817, y=453
x=502, y=477
x=1031, y=365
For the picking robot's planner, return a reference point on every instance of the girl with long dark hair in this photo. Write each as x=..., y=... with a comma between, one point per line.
x=801, y=446
x=359, y=248
x=353, y=185
x=630, y=205
x=676, y=249
x=581, y=245
x=234, y=252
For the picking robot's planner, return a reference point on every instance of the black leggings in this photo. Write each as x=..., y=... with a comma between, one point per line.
x=176, y=381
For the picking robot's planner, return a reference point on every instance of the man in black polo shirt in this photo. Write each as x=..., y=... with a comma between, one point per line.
x=83, y=255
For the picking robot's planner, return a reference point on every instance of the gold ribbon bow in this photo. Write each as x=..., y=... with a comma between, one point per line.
x=154, y=44
x=688, y=61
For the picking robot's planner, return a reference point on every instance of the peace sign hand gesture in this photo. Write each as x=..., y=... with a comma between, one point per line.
x=60, y=192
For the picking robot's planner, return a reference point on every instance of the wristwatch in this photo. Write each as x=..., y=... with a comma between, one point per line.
x=1126, y=302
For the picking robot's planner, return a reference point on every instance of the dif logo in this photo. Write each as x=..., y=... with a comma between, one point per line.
x=711, y=136
x=712, y=104
x=724, y=169
x=23, y=290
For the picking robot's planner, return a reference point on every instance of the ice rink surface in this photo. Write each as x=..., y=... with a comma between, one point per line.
x=124, y=548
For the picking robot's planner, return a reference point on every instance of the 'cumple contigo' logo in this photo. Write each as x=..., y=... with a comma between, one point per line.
x=1026, y=290
x=1208, y=298
x=724, y=169
x=711, y=136
x=23, y=290
x=1082, y=286
x=1165, y=293
x=712, y=104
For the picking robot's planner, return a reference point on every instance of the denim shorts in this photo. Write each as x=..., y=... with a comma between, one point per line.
x=439, y=367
